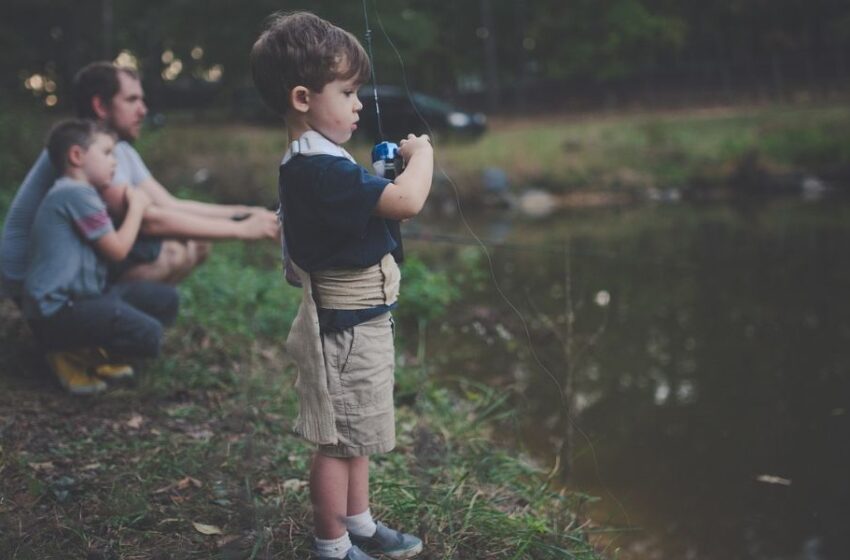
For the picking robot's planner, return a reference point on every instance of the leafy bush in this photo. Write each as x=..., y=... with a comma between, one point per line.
x=425, y=293
x=238, y=296
x=813, y=145
x=21, y=137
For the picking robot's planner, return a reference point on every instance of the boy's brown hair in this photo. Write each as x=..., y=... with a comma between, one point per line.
x=68, y=133
x=302, y=49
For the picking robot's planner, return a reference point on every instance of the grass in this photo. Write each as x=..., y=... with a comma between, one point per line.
x=657, y=150
x=195, y=458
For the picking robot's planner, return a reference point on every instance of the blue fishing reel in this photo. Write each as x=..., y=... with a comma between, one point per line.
x=388, y=163
x=386, y=160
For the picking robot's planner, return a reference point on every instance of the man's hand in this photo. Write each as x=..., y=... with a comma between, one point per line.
x=413, y=144
x=261, y=224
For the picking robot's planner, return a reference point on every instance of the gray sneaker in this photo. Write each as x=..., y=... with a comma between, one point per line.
x=389, y=542
x=353, y=553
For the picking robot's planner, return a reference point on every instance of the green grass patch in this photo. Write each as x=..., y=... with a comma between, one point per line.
x=202, y=438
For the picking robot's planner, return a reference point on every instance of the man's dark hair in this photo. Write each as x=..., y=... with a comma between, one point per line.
x=68, y=133
x=302, y=49
x=98, y=79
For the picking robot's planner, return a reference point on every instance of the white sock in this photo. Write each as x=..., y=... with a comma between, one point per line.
x=361, y=524
x=333, y=548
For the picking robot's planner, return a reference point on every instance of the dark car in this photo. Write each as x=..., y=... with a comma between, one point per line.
x=399, y=115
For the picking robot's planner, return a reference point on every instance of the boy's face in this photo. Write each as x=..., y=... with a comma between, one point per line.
x=127, y=109
x=98, y=161
x=335, y=111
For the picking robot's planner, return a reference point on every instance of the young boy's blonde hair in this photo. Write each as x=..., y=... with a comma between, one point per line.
x=302, y=49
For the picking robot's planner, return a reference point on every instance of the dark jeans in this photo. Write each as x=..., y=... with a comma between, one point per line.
x=126, y=321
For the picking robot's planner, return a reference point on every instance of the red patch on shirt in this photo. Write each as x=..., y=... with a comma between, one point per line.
x=91, y=224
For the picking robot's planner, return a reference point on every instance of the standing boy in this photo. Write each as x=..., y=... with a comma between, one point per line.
x=335, y=223
x=85, y=326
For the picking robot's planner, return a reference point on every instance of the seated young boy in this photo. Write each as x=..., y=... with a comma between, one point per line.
x=335, y=224
x=83, y=324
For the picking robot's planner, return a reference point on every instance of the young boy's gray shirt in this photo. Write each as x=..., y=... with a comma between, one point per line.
x=129, y=170
x=63, y=262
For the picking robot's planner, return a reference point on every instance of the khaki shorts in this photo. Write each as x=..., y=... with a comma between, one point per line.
x=360, y=362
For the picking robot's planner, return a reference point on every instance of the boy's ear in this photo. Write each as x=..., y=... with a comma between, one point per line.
x=100, y=108
x=299, y=99
x=75, y=155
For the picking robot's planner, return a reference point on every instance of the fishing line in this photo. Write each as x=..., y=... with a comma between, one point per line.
x=426, y=236
x=487, y=254
x=372, y=68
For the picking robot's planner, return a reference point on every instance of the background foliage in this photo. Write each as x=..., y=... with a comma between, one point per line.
x=501, y=51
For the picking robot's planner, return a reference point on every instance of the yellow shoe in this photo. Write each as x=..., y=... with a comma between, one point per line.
x=106, y=369
x=113, y=371
x=71, y=368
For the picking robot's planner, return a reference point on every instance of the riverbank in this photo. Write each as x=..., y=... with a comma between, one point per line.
x=580, y=160
x=195, y=458
x=577, y=160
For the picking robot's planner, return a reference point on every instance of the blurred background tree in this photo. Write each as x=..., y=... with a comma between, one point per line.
x=499, y=54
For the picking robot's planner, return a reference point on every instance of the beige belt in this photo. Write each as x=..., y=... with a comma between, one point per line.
x=359, y=288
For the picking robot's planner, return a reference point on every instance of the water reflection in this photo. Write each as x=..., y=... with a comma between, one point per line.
x=715, y=398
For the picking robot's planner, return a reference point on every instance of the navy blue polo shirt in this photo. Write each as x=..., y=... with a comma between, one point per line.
x=328, y=207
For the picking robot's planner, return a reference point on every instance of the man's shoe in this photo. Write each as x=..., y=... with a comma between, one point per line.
x=71, y=368
x=389, y=542
x=353, y=553
x=106, y=369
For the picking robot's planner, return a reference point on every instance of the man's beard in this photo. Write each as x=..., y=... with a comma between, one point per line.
x=123, y=135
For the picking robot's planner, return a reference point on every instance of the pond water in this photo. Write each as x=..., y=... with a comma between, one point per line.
x=710, y=362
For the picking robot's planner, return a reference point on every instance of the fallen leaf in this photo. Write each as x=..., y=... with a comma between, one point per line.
x=294, y=484
x=185, y=482
x=91, y=467
x=770, y=479
x=226, y=540
x=46, y=466
x=206, y=529
x=135, y=421
x=181, y=484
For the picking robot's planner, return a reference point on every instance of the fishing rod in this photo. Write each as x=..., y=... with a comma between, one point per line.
x=386, y=160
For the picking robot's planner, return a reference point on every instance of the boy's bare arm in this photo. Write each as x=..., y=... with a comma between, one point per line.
x=115, y=245
x=171, y=222
x=406, y=195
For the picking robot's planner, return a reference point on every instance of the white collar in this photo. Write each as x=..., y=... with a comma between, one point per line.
x=311, y=143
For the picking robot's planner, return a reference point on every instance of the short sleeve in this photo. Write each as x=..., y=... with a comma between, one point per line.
x=346, y=195
x=88, y=213
x=130, y=169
